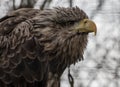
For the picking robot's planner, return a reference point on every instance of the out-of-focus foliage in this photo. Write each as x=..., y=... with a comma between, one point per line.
x=101, y=66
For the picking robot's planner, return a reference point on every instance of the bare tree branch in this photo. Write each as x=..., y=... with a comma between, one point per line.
x=46, y=2
x=98, y=8
x=70, y=3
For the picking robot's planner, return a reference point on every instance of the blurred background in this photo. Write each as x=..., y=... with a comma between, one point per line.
x=101, y=65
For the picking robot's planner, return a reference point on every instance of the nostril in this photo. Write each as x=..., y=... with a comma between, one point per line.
x=85, y=22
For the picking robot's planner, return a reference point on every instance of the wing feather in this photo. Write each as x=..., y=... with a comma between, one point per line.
x=19, y=52
x=11, y=20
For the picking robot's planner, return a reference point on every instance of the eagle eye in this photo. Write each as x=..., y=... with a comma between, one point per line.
x=72, y=22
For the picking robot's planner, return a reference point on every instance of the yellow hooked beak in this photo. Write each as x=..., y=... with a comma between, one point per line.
x=86, y=25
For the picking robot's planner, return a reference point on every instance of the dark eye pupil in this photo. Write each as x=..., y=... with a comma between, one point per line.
x=71, y=22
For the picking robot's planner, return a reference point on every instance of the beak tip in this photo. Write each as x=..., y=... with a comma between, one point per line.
x=95, y=33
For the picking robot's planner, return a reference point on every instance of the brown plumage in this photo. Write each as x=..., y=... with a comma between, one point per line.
x=36, y=46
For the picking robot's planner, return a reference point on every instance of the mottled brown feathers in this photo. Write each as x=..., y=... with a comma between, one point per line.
x=34, y=43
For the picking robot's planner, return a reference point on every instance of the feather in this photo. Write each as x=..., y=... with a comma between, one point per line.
x=34, y=43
